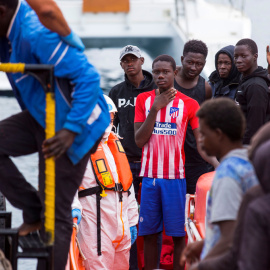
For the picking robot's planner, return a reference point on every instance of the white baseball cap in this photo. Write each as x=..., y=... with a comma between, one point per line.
x=111, y=105
x=130, y=49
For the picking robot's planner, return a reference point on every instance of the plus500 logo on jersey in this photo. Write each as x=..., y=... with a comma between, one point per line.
x=165, y=128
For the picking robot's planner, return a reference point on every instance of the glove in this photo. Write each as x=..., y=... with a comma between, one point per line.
x=76, y=213
x=133, y=234
x=74, y=40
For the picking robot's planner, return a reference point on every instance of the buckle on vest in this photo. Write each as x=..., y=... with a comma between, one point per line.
x=118, y=187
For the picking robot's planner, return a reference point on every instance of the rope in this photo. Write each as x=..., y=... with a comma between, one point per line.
x=77, y=241
x=80, y=250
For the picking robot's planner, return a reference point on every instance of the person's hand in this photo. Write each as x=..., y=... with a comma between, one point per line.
x=76, y=213
x=191, y=253
x=133, y=234
x=74, y=40
x=59, y=144
x=194, y=266
x=161, y=100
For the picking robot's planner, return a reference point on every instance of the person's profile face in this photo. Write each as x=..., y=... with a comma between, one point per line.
x=224, y=65
x=244, y=59
x=208, y=138
x=193, y=64
x=163, y=75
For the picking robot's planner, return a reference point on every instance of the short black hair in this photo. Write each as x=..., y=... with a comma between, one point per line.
x=250, y=43
x=224, y=114
x=195, y=46
x=165, y=58
x=12, y=4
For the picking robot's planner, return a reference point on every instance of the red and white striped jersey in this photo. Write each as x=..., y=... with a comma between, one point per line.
x=163, y=155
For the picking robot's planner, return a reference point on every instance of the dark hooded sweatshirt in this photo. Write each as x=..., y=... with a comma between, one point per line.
x=124, y=97
x=253, y=97
x=225, y=87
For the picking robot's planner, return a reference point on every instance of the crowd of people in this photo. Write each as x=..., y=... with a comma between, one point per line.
x=159, y=131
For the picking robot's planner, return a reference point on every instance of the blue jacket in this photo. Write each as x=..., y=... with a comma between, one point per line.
x=80, y=106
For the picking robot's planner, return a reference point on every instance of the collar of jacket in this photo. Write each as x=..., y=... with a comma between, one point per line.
x=14, y=23
x=148, y=81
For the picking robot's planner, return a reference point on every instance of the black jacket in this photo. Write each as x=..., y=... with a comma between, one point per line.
x=225, y=87
x=124, y=97
x=253, y=97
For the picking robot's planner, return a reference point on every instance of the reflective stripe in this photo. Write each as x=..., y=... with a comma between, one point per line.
x=22, y=77
x=62, y=56
x=55, y=50
x=94, y=115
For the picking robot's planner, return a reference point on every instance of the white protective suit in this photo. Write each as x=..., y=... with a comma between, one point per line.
x=112, y=227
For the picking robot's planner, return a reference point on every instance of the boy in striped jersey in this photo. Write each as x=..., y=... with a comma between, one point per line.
x=161, y=118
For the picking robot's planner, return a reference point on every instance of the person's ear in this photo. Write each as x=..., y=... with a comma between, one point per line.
x=255, y=56
x=3, y=10
x=204, y=62
x=175, y=72
x=182, y=59
x=142, y=60
x=219, y=133
x=121, y=65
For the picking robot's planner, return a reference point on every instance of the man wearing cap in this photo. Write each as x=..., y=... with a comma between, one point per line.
x=124, y=97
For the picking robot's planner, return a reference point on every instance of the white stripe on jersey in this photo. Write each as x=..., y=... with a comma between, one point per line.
x=151, y=150
x=181, y=142
x=171, y=148
x=143, y=165
x=160, y=157
x=150, y=167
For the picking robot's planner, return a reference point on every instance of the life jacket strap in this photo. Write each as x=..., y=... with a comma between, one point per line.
x=97, y=190
x=88, y=192
x=118, y=187
x=98, y=198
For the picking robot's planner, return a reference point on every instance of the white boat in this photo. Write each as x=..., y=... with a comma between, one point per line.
x=156, y=26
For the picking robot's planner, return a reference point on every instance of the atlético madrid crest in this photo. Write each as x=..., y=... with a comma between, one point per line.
x=174, y=112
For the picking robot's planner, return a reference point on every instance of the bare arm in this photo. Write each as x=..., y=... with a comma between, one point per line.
x=58, y=144
x=208, y=91
x=191, y=253
x=212, y=160
x=268, y=58
x=227, y=231
x=143, y=130
x=50, y=16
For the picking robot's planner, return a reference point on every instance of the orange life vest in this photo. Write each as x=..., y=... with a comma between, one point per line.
x=102, y=169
